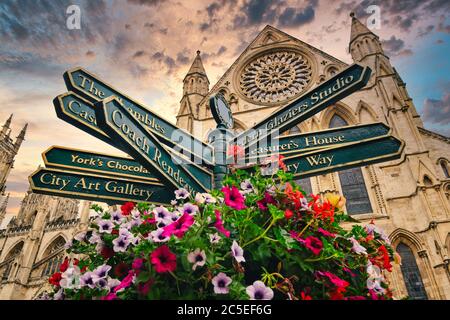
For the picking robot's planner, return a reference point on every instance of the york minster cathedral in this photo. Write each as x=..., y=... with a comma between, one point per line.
x=409, y=198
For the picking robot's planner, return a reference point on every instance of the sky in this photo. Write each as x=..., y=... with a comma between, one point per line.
x=145, y=47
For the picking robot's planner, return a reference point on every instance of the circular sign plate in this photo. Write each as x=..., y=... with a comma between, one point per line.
x=221, y=111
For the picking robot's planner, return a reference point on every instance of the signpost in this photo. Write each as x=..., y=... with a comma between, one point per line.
x=95, y=90
x=156, y=170
x=87, y=186
x=142, y=145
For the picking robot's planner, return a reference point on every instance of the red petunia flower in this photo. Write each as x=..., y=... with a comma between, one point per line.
x=55, y=279
x=294, y=196
x=163, y=259
x=126, y=208
x=219, y=225
x=233, y=198
x=107, y=252
x=179, y=227
x=288, y=214
x=263, y=204
x=121, y=269
x=63, y=267
x=324, y=211
x=144, y=288
x=382, y=259
x=305, y=296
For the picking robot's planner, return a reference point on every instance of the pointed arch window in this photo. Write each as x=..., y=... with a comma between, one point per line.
x=411, y=274
x=352, y=181
x=445, y=168
x=54, y=250
x=15, y=251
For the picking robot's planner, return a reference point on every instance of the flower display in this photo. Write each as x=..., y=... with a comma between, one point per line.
x=257, y=238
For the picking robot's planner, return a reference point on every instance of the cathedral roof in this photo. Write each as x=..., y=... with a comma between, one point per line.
x=358, y=28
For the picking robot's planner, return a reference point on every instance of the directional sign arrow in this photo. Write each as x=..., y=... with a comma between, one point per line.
x=82, y=114
x=95, y=162
x=351, y=155
x=327, y=93
x=305, y=142
x=143, y=146
x=93, y=89
x=101, y=188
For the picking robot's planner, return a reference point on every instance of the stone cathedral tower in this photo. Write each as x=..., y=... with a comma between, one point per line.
x=8, y=151
x=409, y=198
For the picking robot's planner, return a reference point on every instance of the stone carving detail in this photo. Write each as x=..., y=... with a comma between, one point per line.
x=276, y=76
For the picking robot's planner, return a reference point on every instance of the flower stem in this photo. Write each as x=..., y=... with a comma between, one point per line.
x=261, y=235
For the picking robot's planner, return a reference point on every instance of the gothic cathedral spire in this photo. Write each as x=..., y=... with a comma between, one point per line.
x=195, y=88
x=363, y=42
x=20, y=137
x=6, y=126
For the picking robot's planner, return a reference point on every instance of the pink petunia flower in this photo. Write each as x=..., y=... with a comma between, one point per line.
x=237, y=252
x=233, y=198
x=197, y=257
x=221, y=283
x=219, y=225
x=326, y=233
x=259, y=291
x=179, y=227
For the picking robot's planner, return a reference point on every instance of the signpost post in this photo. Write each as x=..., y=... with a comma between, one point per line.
x=155, y=170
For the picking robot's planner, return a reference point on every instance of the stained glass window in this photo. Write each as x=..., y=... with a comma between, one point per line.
x=411, y=274
x=352, y=181
x=53, y=264
x=445, y=169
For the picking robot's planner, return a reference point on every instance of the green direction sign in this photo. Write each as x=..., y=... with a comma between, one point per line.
x=105, y=188
x=95, y=90
x=337, y=158
x=77, y=111
x=142, y=145
x=80, y=113
x=94, y=162
x=341, y=85
x=306, y=142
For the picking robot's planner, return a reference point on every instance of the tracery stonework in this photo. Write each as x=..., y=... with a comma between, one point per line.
x=276, y=76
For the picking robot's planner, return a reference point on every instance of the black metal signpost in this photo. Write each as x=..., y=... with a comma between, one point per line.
x=165, y=157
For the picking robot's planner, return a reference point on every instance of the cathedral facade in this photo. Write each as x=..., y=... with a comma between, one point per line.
x=409, y=198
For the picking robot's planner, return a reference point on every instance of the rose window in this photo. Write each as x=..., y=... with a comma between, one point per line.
x=276, y=77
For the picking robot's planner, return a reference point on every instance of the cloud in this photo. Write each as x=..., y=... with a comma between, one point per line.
x=257, y=12
x=149, y=3
x=395, y=47
x=437, y=111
